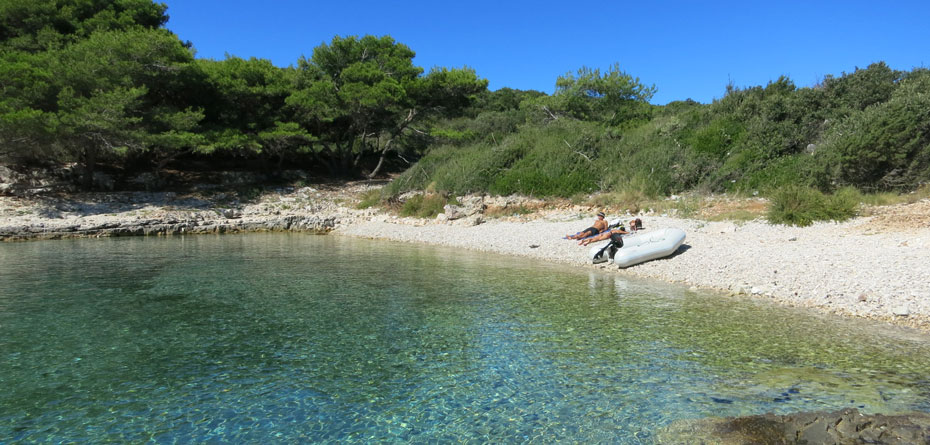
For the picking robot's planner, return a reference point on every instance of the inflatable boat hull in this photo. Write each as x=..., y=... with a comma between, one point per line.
x=640, y=247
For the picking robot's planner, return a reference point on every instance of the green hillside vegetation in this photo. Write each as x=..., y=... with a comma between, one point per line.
x=865, y=131
x=869, y=129
x=107, y=86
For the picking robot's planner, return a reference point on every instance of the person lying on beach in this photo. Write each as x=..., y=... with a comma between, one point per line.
x=599, y=226
x=613, y=234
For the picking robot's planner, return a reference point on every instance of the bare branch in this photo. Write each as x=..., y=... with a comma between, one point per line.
x=584, y=156
x=576, y=151
x=554, y=117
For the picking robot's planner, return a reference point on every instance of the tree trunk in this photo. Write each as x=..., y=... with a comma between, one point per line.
x=90, y=164
x=162, y=162
x=281, y=162
x=387, y=148
x=387, y=145
x=327, y=162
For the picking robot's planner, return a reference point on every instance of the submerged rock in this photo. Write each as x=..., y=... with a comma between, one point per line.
x=847, y=426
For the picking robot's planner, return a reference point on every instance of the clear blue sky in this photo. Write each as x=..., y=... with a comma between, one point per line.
x=687, y=49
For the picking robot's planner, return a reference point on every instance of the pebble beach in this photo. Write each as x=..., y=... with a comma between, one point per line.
x=839, y=268
x=875, y=266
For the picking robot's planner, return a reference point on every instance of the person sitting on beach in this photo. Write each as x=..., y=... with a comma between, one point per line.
x=599, y=226
x=614, y=235
x=636, y=224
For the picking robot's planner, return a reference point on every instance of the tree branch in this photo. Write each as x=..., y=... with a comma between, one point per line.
x=576, y=151
x=546, y=109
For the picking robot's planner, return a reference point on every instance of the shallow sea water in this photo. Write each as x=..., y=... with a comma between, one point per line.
x=286, y=338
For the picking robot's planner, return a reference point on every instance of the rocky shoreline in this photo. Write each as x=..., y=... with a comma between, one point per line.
x=157, y=214
x=872, y=267
x=171, y=225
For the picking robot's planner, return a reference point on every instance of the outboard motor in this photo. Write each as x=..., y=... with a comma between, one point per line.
x=608, y=252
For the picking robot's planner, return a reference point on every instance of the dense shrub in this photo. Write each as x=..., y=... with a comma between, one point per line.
x=802, y=206
x=885, y=146
x=559, y=159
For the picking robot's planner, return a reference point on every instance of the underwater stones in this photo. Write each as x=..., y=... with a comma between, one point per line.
x=844, y=426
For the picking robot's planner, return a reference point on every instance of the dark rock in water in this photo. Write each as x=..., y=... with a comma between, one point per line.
x=847, y=426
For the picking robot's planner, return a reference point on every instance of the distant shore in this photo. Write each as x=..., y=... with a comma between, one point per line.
x=868, y=267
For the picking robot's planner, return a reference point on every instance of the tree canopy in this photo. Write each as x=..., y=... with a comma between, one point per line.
x=104, y=84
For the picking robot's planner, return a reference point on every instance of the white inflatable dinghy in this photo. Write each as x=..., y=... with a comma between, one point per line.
x=639, y=247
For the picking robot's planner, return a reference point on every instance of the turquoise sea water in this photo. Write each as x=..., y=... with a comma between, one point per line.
x=287, y=338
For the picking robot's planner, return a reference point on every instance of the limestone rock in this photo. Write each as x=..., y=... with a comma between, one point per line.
x=472, y=204
x=473, y=220
x=7, y=176
x=453, y=212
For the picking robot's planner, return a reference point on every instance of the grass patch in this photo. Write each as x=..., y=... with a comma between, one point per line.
x=890, y=198
x=739, y=215
x=686, y=207
x=630, y=200
x=633, y=201
x=510, y=210
x=424, y=206
x=369, y=198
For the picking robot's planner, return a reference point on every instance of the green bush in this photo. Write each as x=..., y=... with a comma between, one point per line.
x=424, y=206
x=843, y=204
x=558, y=160
x=802, y=206
x=885, y=146
x=795, y=205
x=779, y=172
x=716, y=138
